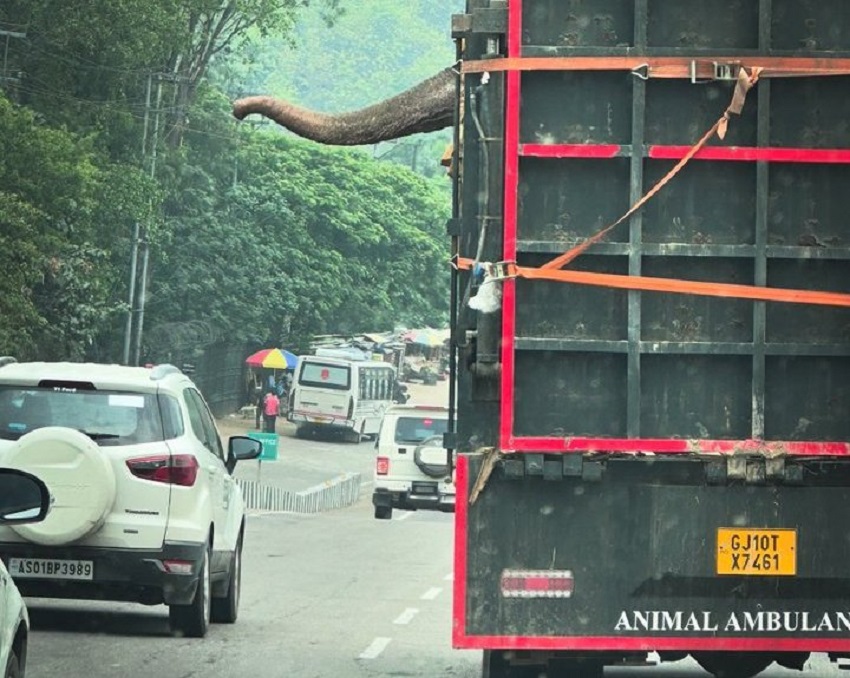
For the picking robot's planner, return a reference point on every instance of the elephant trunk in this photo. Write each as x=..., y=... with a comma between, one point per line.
x=426, y=107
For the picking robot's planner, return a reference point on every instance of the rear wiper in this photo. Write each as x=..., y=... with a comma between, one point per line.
x=100, y=436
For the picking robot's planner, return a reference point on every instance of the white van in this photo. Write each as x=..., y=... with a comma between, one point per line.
x=410, y=465
x=346, y=395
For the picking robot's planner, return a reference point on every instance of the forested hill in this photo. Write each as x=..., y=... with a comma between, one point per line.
x=119, y=114
x=371, y=51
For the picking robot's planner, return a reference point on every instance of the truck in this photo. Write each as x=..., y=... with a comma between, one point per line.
x=650, y=353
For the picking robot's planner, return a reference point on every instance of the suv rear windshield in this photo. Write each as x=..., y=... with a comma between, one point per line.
x=417, y=429
x=325, y=375
x=108, y=417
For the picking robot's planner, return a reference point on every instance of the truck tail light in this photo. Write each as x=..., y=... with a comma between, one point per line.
x=382, y=466
x=537, y=583
x=177, y=469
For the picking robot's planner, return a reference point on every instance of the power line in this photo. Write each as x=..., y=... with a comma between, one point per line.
x=74, y=59
x=119, y=110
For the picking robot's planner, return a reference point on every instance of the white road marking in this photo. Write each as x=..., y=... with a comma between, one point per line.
x=431, y=593
x=407, y=616
x=449, y=577
x=405, y=515
x=374, y=650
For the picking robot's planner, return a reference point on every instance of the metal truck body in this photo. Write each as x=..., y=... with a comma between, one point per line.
x=648, y=464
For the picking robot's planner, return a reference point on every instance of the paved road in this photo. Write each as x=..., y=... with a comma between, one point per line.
x=338, y=594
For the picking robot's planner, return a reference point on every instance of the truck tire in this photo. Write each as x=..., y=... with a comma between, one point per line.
x=575, y=668
x=193, y=620
x=80, y=479
x=383, y=512
x=495, y=665
x=733, y=665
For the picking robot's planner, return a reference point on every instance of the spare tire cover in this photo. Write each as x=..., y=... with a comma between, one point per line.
x=430, y=457
x=80, y=479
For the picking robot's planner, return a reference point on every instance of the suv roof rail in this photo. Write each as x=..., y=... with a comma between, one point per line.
x=7, y=360
x=163, y=370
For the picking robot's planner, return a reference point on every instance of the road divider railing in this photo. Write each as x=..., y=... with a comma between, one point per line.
x=336, y=493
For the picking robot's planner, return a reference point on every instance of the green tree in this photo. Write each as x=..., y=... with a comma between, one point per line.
x=302, y=240
x=253, y=235
x=59, y=290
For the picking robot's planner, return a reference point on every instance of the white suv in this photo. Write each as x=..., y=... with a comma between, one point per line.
x=145, y=505
x=411, y=470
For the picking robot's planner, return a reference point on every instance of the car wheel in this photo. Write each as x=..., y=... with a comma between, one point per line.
x=193, y=620
x=225, y=610
x=383, y=512
x=13, y=666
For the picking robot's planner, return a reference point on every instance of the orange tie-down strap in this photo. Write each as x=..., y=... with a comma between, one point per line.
x=666, y=67
x=552, y=270
x=670, y=285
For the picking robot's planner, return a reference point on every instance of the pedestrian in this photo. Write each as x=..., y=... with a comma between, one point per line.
x=271, y=406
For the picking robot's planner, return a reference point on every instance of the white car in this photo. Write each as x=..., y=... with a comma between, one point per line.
x=411, y=469
x=23, y=499
x=145, y=505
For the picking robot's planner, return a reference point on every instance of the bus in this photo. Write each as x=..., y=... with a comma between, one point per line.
x=349, y=396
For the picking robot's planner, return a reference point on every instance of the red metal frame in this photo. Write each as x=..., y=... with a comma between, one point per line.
x=661, y=152
x=514, y=149
x=509, y=243
x=678, y=446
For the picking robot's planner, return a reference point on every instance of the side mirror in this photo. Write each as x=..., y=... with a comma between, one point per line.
x=23, y=498
x=377, y=441
x=242, y=448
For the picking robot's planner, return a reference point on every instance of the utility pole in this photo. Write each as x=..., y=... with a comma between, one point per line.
x=128, y=328
x=134, y=255
x=144, y=230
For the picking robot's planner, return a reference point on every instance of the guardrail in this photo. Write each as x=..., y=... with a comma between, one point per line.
x=337, y=493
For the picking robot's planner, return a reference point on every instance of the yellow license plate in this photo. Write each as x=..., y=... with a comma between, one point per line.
x=756, y=552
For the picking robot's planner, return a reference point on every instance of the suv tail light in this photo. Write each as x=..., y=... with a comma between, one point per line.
x=178, y=469
x=382, y=466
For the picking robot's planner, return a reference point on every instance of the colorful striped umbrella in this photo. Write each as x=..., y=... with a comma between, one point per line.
x=426, y=337
x=273, y=358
